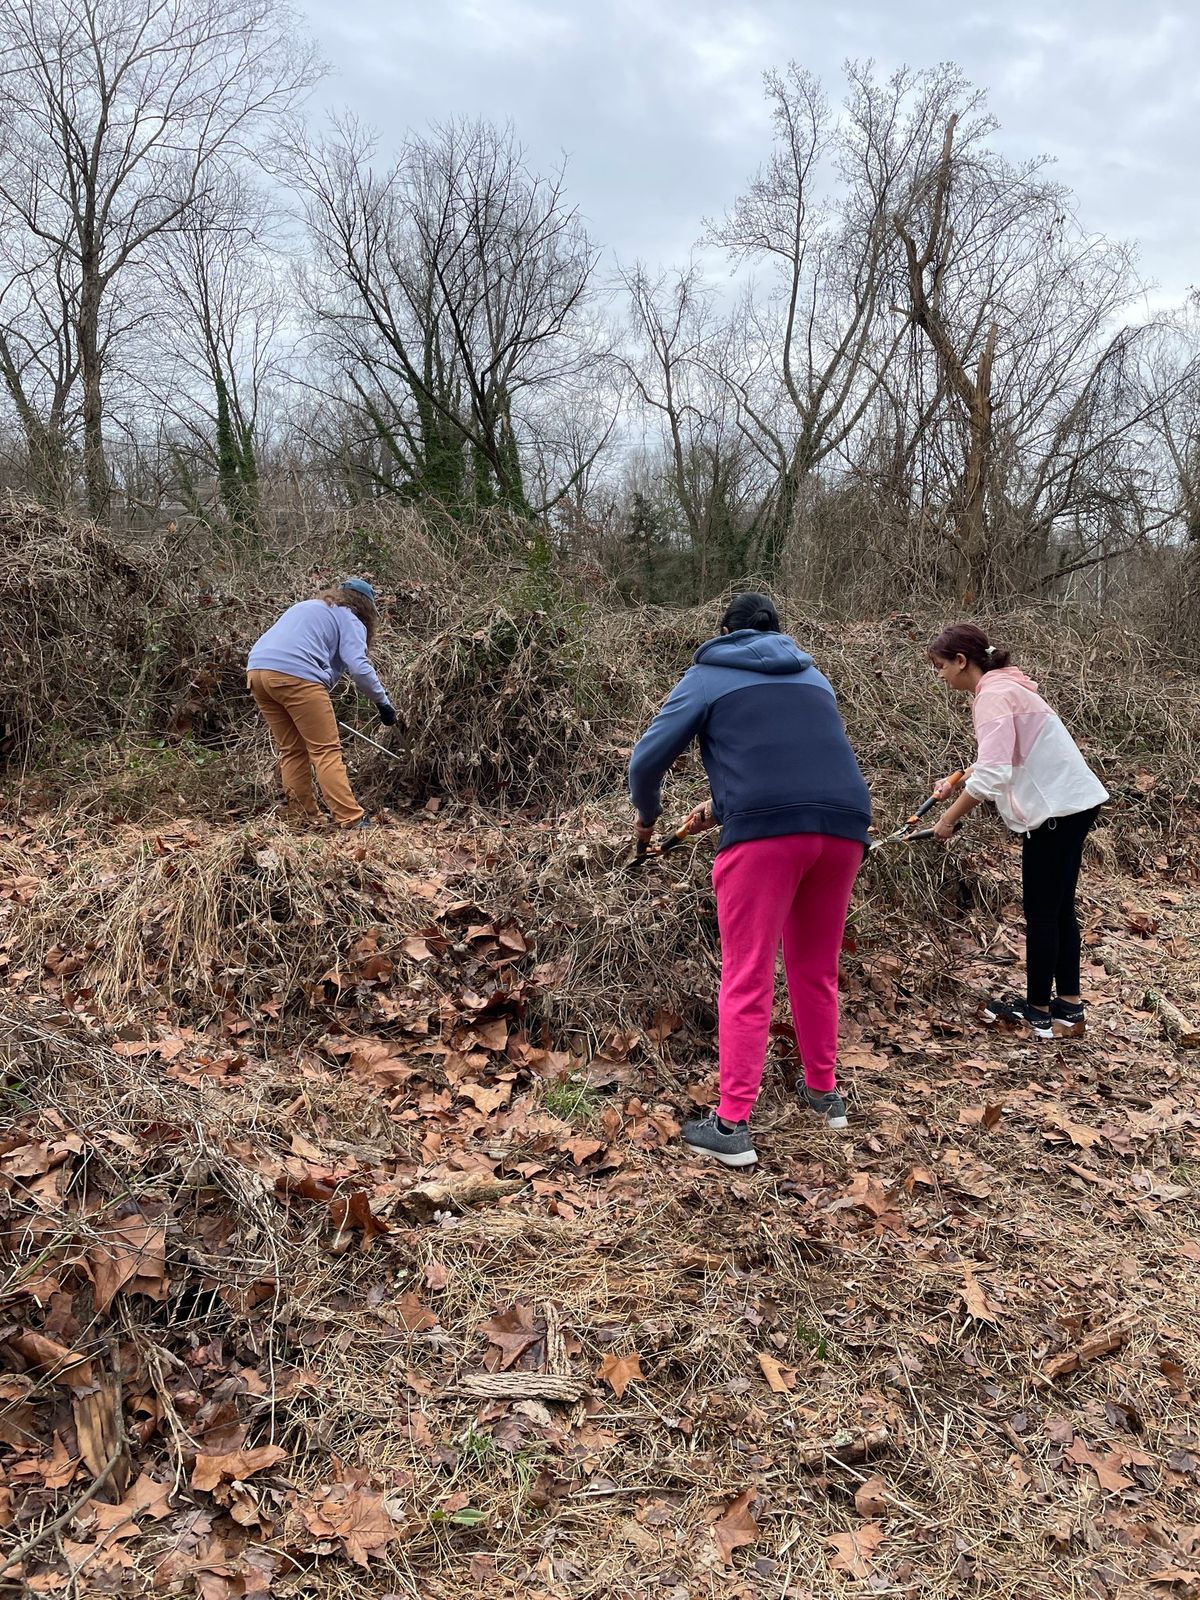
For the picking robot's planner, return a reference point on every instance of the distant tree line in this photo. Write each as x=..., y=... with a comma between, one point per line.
x=921, y=376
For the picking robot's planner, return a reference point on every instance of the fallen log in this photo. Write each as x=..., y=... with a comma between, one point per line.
x=1180, y=1030
x=521, y=1386
x=457, y=1192
x=845, y=1448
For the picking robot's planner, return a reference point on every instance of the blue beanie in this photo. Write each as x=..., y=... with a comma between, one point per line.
x=359, y=586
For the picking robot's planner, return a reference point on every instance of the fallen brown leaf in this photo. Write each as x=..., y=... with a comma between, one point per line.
x=1082, y=1137
x=865, y=1192
x=619, y=1372
x=412, y=1315
x=512, y=1332
x=58, y=1472
x=351, y=1213
x=1107, y=1468
x=853, y=1551
x=354, y=1514
x=148, y=1498
x=870, y=1498
x=736, y=1526
x=975, y=1300
x=485, y=1098
x=234, y=1465
x=46, y=1355
x=780, y=1379
x=129, y=1252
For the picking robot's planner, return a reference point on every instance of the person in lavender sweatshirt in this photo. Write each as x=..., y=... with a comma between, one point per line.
x=290, y=673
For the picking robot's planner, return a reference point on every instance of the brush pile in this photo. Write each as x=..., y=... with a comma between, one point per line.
x=75, y=628
x=531, y=709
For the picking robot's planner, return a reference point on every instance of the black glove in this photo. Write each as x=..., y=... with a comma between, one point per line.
x=387, y=714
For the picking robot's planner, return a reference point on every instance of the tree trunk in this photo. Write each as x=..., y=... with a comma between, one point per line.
x=972, y=532
x=45, y=444
x=95, y=468
x=974, y=393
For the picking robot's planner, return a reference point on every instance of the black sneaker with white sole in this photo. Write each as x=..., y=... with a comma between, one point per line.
x=828, y=1104
x=727, y=1142
x=1011, y=1011
x=1069, y=1021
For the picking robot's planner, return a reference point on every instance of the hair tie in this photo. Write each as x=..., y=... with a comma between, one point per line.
x=990, y=651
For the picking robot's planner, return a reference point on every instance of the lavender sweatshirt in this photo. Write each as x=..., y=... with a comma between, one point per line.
x=319, y=643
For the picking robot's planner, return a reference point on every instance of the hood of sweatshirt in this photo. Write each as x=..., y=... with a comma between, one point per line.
x=1001, y=675
x=747, y=650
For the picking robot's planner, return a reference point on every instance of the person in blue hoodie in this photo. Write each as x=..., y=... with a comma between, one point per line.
x=290, y=673
x=794, y=815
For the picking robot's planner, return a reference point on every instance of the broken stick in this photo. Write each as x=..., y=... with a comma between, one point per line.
x=845, y=1448
x=1100, y=1343
x=1180, y=1030
x=521, y=1386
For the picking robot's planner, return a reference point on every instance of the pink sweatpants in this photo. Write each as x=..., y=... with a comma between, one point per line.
x=795, y=888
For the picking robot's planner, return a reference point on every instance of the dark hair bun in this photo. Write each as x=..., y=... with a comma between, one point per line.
x=751, y=610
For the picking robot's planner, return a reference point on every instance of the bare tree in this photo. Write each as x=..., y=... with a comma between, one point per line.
x=115, y=116
x=681, y=362
x=221, y=311
x=1170, y=396
x=1018, y=308
x=39, y=359
x=454, y=290
x=817, y=345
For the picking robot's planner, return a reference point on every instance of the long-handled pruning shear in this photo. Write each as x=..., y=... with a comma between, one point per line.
x=670, y=841
x=908, y=831
x=374, y=743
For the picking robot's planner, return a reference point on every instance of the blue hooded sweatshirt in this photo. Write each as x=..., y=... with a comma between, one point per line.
x=771, y=739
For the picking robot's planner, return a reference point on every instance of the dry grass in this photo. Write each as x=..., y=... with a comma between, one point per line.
x=198, y=919
x=697, y=1273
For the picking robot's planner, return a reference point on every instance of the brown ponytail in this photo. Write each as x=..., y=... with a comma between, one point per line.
x=965, y=639
x=362, y=608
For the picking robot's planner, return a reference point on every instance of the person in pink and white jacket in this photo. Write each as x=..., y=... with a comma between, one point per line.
x=1029, y=766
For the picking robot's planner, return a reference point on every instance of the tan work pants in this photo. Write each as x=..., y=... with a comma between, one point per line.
x=304, y=728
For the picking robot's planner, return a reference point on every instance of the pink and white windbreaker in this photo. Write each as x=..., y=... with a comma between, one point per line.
x=1027, y=762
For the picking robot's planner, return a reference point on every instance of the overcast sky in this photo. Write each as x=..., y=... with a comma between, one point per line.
x=657, y=104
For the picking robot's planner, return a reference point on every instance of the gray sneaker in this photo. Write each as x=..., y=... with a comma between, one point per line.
x=705, y=1137
x=829, y=1105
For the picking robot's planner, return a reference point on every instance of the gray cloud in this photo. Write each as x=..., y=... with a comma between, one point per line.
x=657, y=104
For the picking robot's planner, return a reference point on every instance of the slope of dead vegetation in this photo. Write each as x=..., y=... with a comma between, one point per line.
x=351, y=1250
x=348, y=1245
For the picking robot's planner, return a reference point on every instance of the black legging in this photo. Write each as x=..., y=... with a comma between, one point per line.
x=1050, y=861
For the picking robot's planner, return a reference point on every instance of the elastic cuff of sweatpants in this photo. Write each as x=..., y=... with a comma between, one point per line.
x=820, y=1082
x=734, y=1110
